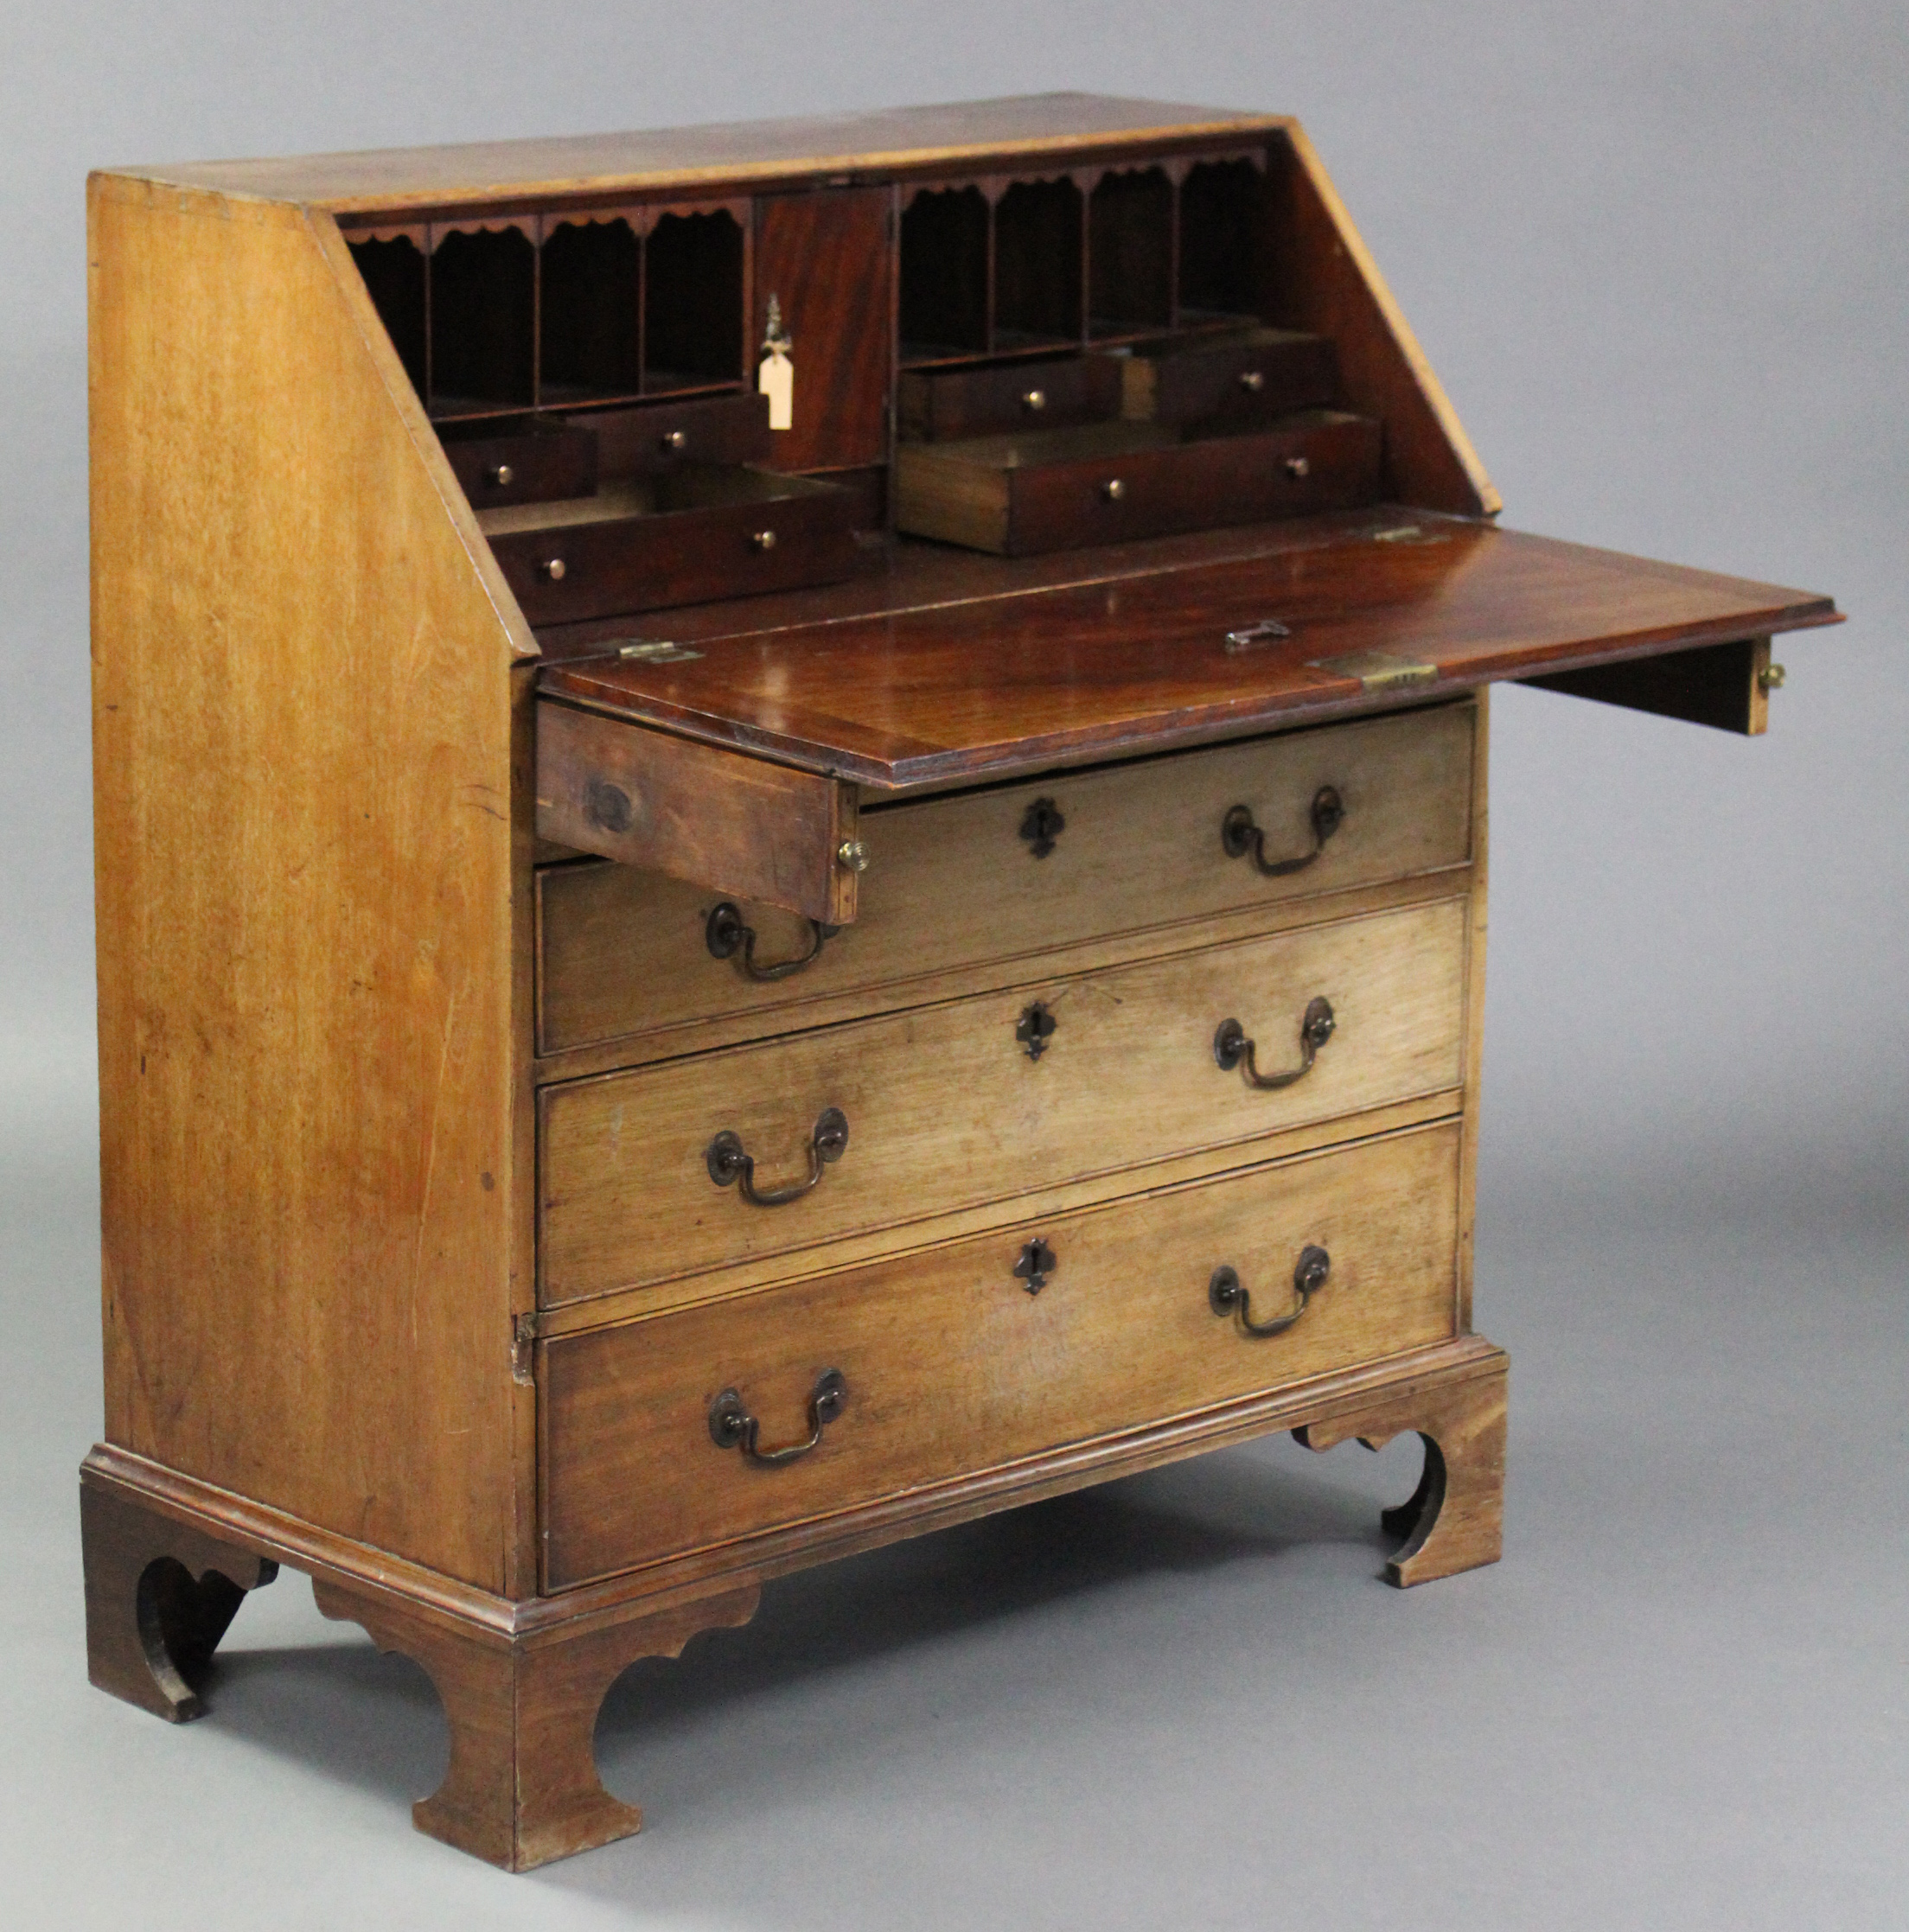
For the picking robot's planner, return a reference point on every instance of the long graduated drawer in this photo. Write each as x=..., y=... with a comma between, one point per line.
x=896, y=1120
x=1012, y=873
x=948, y=1366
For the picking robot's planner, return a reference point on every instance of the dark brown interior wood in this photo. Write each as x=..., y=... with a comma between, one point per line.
x=936, y=692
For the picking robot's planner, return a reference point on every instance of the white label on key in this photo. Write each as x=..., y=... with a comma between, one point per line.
x=775, y=377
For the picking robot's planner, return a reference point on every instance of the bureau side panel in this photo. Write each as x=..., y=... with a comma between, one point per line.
x=301, y=743
x=1328, y=282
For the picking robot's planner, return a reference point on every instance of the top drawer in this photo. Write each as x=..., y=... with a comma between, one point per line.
x=971, y=880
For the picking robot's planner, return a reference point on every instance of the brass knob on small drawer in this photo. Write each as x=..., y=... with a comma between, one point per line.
x=851, y=855
x=1298, y=469
x=553, y=567
x=674, y=439
x=1252, y=381
x=1035, y=399
x=500, y=475
x=1771, y=678
x=1113, y=489
x=764, y=539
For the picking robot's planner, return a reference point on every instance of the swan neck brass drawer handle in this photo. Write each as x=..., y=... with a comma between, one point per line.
x=1227, y=1296
x=729, y=1164
x=1240, y=837
x=731, y=1426
x=1232, y=1048
x=728, y=938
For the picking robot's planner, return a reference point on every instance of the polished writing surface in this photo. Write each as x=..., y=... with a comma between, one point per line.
x=928, y=694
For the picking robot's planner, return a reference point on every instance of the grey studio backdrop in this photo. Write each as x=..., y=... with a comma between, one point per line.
x=1660, y=258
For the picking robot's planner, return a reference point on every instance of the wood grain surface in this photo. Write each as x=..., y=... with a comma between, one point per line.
x=946, y=1108
x=956, y=881
x=828, y=259
x=738, y=823
x=946, y=691
x=952, y=1366
x=959, y=135
x=302, y=816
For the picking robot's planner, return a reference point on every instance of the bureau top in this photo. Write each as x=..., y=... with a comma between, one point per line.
x=895, y=141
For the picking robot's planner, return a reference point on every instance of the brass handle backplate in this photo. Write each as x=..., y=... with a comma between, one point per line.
x=1239, y=836
x=1226, y=1297
x=731, y=1426
x=728, y=938
x=1232, y=1048
x=730, y=1165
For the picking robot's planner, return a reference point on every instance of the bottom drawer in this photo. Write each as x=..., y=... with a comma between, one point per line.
x=949, y=1364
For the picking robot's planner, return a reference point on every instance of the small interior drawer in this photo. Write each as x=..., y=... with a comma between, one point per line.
x=936, y=405
x=1010, y=874
x=536, y=464
x=1109, y=482
x=958, y=1361
x=665, y=436
x=991, y=1099
x=683, y=536
x=1249, y=377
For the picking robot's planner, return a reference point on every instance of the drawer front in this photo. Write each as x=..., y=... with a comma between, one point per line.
x=1237, y=379
x=984, y=1099
x=660, y=436
x=576, y=570
x=1323, y=461
x=940, y=403
x=951, y=1366
x=961, y=882
x=543, y=465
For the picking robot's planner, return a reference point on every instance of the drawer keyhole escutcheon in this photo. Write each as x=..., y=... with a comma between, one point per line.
x=728, y=938
x=1227, y=1296
x=1037, y=1262
x=1041, y=826
x=1232, y=1048
x=731, y=1165
x=1240, y=838
x=731, y=1426
x=1035, y=1027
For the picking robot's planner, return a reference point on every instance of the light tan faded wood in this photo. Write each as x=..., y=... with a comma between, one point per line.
x=521, y=1787
x=302, y=814
x=1030, y=969
x=746, y=1277
x=945, y=1106
x=1455, y=1521
x=952, y=1366
x=958, y=135
x=956, y=881
x=717, y=818
x=520, y=1563
x=1474, y=1010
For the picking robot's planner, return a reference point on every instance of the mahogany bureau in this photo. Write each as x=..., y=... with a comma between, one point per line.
x=791, y=844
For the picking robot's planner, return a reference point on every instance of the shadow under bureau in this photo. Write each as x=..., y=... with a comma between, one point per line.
x=791, y=844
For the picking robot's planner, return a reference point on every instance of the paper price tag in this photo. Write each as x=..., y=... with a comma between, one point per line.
x=775, y=376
